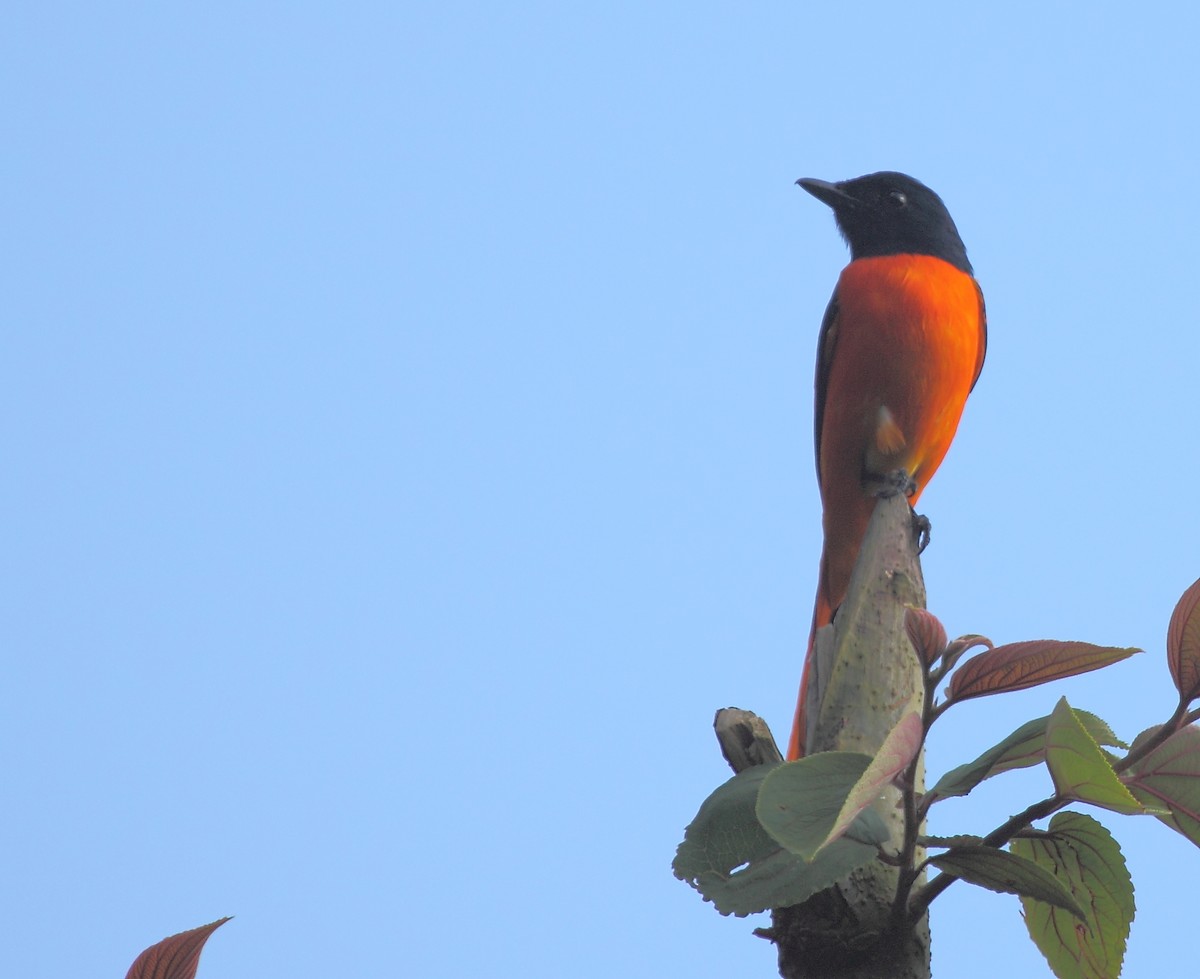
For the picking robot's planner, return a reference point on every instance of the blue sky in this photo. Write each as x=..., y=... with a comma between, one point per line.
x=407, y=411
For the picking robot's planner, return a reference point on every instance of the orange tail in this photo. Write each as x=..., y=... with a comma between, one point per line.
x=822, y=615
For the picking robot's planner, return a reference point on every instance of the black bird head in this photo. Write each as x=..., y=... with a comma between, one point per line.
x=890, y=213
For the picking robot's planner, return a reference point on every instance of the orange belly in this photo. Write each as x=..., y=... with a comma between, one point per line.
x=909, y=345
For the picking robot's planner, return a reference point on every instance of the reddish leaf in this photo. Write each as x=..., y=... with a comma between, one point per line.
x=963, y=644
x=1168, y=780
x=895, y=755
x=175, y=957
x=1019, y=665
x=1183, y=644
x=928, y=635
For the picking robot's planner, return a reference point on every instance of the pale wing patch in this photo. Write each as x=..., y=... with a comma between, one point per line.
x=889, y=440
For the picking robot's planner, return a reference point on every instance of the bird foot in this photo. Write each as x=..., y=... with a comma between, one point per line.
x=921, y=529
x=890, y=484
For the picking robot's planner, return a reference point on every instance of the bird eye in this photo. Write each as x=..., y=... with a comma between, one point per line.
x=897, y=197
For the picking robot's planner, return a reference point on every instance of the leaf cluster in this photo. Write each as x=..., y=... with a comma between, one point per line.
x=776, y=834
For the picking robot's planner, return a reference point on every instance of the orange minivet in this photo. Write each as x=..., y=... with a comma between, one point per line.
x=901, y=347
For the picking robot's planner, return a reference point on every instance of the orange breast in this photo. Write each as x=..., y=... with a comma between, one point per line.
x=909, y=346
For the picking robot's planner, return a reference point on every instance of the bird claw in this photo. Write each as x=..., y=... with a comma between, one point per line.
x=921, y=528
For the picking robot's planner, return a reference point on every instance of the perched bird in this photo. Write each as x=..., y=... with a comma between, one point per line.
x=901, y=347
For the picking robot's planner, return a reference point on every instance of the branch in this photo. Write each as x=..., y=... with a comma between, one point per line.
x=865, y=678
x=745, y=739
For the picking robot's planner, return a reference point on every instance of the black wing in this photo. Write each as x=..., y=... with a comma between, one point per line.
x=825, y=344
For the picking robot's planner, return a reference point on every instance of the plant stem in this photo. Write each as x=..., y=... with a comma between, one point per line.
x=914, y=814
x=1152, y=742
x=997, y=838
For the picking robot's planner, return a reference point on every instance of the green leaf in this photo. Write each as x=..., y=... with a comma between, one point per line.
x=1020, y=665
x=801, y=801
x=726, y=833
x=1083, y=856
x=1078, y=766
x=1167, y=781
x=1024, y=747
x=1007, y=873
x=728, y=857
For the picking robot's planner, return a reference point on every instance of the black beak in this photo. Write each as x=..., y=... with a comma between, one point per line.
x=827, y=193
